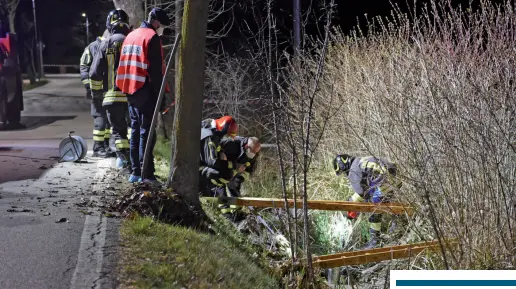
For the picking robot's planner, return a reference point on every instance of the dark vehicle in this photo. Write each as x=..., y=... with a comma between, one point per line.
x=11, y=91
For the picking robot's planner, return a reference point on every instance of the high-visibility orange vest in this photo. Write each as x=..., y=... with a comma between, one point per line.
x=132, y=69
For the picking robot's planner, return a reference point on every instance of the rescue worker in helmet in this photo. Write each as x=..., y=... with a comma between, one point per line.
x=215, y=169
x=372, y=180
x=101, y=126
x=103, y=74
x=242, y=151
x=140, y=75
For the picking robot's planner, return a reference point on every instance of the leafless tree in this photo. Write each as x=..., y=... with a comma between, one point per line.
x=29, y=48
x=9, y=7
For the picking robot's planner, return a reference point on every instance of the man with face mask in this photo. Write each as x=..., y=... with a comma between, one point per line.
x=140, y=74
x=242, y=151
x=215, y=170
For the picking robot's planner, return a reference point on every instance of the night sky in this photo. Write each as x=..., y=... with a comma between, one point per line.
x=63, y=28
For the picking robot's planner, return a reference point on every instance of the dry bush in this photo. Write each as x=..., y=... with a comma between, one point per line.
x=234, y=86
x=435, y=93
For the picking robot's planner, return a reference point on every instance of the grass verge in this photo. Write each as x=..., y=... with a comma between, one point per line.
x=28, y=86
x=158, y=255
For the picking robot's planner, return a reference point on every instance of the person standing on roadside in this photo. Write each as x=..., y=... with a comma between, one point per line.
x=140, y=74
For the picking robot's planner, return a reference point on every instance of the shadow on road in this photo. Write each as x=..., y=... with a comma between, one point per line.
x=34, y=122
x=18, y=163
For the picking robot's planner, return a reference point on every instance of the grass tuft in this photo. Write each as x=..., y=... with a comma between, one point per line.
x=28, y=86
x=158, y=255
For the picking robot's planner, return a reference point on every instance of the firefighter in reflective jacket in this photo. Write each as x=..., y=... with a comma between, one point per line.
x=215, y=169
x=242, y=151
x=101, y=126
x=140, y=75
x=102, y=76
x=373, y=180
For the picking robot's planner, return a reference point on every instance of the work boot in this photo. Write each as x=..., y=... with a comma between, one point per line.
x=374, y=239
x=109, y=152
x=98, y=150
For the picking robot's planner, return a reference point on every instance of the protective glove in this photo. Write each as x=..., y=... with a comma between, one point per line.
x=352, y=215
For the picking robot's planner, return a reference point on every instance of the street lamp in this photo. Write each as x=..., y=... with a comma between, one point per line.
x=39, y=44
x=87, y=28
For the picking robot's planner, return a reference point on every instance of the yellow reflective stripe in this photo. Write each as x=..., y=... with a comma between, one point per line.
x=231, y=209
x=111, y=63
x=245, y=175
x=226, y=210
x=375, y=226
x=96, y=85
x=201, y=168
x=85, y=58
x=219, y=149
x=365, y=164
x=86, y=81
x=224, y=181
x=213, y=181
x=247, y=164
x=211, y=146
x=230, y=165
x=98, y=135
x=356, y=198
x=115, y=93
x=122, y=144
x=112, y=99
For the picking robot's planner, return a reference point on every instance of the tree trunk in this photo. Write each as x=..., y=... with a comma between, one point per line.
x=189, y=95
x=11, y=17
x=178, y=23
x=30, y=62
x=168, y=119
x=31, y=70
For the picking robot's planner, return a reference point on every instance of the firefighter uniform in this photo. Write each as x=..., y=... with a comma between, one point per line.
x=373, y=180
x=101, y=127
x=235, y=151
x=140, y=75
x=103, y=75
x=215, y=171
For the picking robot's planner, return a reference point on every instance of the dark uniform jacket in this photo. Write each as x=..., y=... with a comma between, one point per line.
x=368, y=173
x=104, y=67
x=217, y=171
x=236, y=152
x=87, y=59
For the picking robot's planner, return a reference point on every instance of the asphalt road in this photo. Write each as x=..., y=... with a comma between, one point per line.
x=37, y=251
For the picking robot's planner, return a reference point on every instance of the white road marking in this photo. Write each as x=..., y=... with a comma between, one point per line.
x=89, y=260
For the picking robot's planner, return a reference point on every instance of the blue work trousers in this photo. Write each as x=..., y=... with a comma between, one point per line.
x=141, y=119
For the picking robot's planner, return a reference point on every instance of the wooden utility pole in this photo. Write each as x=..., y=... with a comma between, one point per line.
x=189, y=96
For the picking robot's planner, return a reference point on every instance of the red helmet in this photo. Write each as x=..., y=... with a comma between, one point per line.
x=227, y=125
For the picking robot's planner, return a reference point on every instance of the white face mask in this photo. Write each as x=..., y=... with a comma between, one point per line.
x=250, y=154
x=159, y=31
